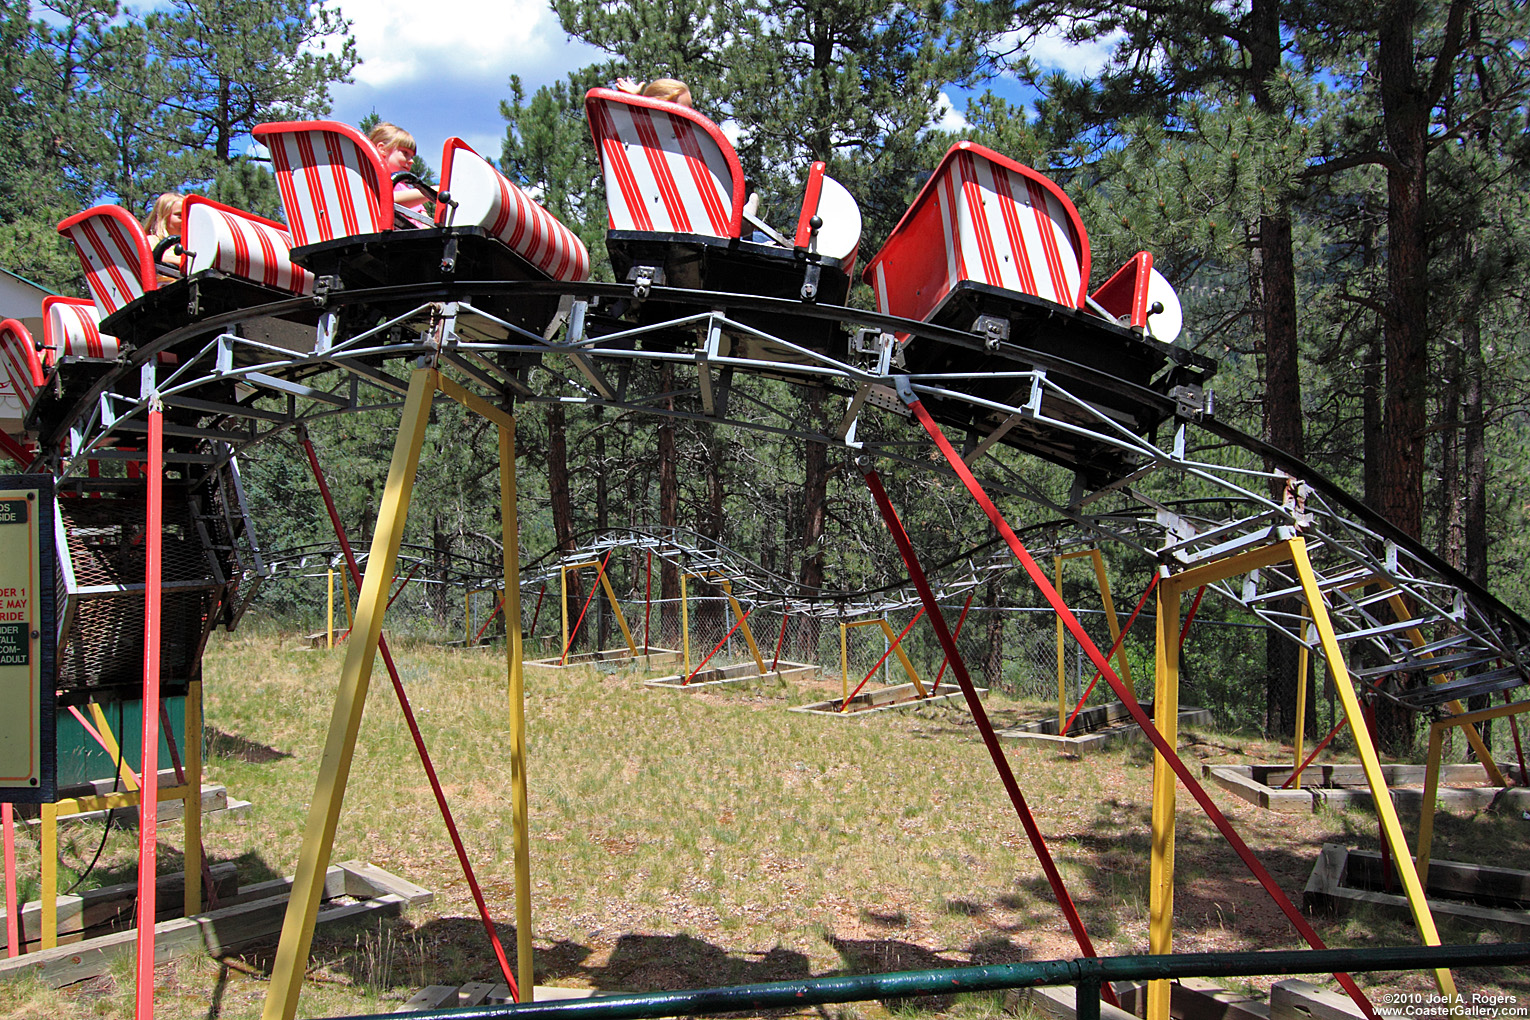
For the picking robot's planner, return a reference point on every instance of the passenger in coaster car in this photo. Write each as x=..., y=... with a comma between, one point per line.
x=163, y=228
x=671, y=90
x=397, y=149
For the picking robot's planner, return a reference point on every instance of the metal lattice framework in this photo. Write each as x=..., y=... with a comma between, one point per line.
x=229, y=388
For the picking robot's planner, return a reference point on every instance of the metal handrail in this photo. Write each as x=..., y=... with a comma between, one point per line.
x=1087, y=974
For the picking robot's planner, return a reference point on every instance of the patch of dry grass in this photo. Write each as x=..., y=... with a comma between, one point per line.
x=683, y=839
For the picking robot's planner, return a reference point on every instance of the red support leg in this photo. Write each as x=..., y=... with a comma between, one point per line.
x=1170, y=756
x=960, y=621
x=980, y=716
x=148, y=790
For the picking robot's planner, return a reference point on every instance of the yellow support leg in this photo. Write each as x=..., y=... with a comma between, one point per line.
x=743, y=626
x=844, y=662
x=1303, y=660
x=685, y=625
x=345, y=599
x=519, y=810
x=1103, y=580
x=192, y=810
x=329, y=626
x=903, y=659
x=1161, y=868
x=345, y=722
x=113, y=750
x=1431, y=794
x=1387, y=812
x=616, y=610
x=48, y=895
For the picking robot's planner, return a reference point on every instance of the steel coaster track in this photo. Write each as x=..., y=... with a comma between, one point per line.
x=1198, y=494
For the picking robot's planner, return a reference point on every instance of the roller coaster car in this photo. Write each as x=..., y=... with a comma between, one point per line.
x=993, y=248
x=676, y=195
x=224, y=260
x=73, y=356
x=338, y=198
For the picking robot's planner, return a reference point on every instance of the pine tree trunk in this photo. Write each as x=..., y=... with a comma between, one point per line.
x=1474, y=551
x=815, y=487
x=1273, y=286
x=1406, y=100
x=993, y=661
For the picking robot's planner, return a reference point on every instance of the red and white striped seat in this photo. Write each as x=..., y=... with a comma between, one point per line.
x=982, y=217
x=23, y=367
x=487, y=198
x=667, y=168
x=70, y=330
x=217, y=236
x=331, y=179
x=114, y=253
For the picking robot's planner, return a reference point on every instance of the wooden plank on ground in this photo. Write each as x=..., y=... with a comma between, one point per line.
x=430, y=997
x=216, y=932
x=1294, y=999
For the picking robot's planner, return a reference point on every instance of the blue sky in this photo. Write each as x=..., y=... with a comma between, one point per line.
x=436, y=84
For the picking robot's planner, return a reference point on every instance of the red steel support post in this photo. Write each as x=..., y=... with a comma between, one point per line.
x=148, y=791
x=1124, y=695
x=980, y=716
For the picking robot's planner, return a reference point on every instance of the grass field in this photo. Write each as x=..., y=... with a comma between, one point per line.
x=685, y=839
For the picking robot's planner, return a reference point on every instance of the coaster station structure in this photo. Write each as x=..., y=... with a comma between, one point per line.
x=708, y=326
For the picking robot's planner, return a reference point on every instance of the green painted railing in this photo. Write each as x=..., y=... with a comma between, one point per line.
x=1085, y=974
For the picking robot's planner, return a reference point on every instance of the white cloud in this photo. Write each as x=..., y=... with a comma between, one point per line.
x=437, y=82
x=1051, y=50
x=947, y=116
x=400, y=42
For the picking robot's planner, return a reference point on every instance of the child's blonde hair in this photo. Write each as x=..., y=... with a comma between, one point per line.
x=668, y=89
x=158, y=223
x=390, y=137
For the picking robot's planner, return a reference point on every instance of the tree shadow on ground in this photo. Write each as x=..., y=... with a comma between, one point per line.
x=231, y=746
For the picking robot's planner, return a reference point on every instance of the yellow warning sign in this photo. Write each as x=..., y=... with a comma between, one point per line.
x=21, y=636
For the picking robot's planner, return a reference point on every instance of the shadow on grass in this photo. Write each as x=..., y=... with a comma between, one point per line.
x=234, y=747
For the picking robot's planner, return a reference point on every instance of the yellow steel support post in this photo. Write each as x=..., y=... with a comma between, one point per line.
x=129, y=777
x=1062, y=655
x=616, y=610
x=192, y=811
x=1161, y=866
x=1303, y=661
x=1468, y=722
x=743, y=625
x=563, y=608
x=514, y=652
x=345, y=722
x=514, y=655
x=345, y=599
x=903, y=659
x=329, y=626
x=467, y=618
x=1431, y=794
x=685, y=625
x=48, y=894
x=844, y=661
x=1386, y=811
x=1103, y=581
x=1485, y=756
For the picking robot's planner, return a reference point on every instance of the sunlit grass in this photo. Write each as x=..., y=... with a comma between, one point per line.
x=681, y=839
